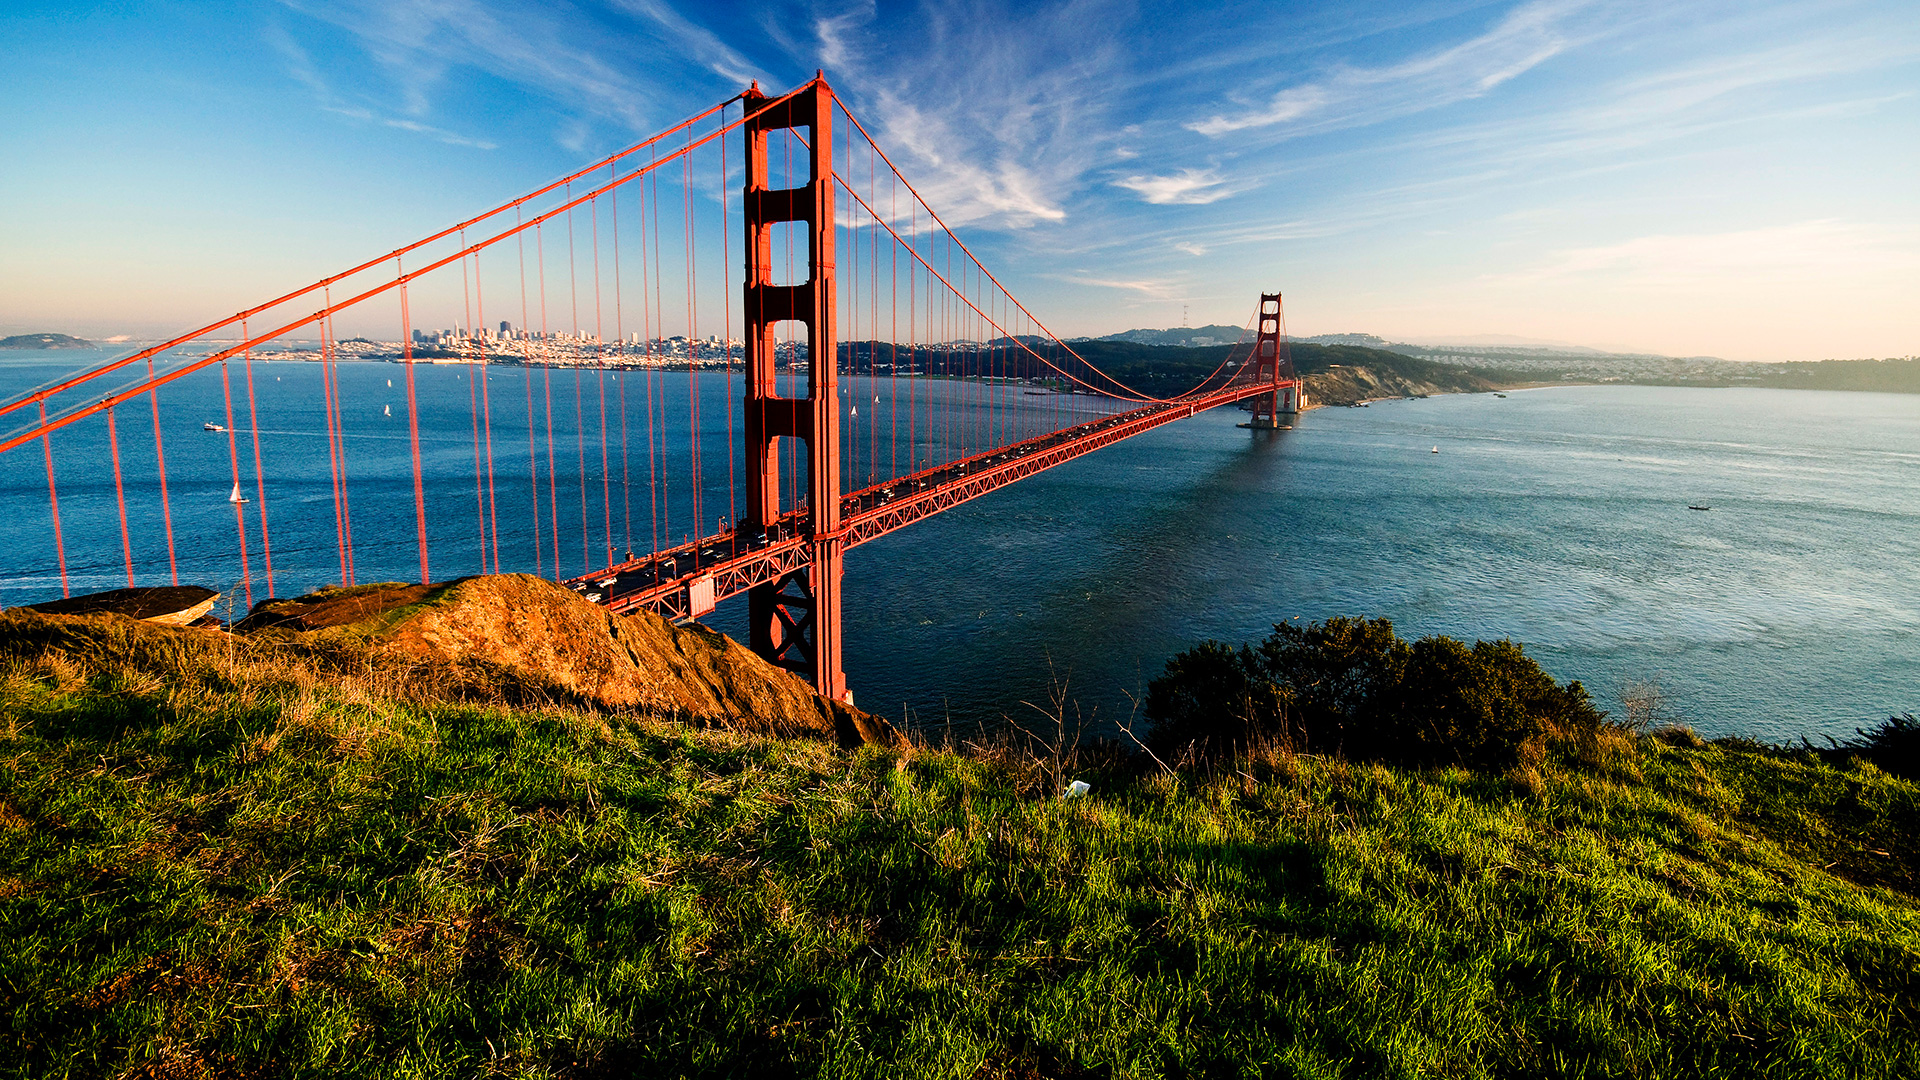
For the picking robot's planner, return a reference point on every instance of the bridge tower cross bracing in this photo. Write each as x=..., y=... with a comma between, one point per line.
x=1271, y=364
x=795, y=620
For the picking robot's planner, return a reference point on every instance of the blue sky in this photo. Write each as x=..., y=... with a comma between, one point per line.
x=1734, y=179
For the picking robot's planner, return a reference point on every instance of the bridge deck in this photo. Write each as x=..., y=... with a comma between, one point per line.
x=734, y=562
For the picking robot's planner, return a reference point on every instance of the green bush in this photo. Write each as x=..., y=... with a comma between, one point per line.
x=1893, y=745
x=1352, y=687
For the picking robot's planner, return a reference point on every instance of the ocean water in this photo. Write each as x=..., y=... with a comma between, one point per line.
x=1557, y=517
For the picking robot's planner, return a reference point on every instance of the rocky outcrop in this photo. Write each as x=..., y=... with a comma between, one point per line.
x=537, y=628
x=1353, y=383
x=171, y=605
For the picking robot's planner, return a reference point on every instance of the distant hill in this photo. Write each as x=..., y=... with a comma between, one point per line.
x=1336, y=374
x=1193, y=337
x=44, y=341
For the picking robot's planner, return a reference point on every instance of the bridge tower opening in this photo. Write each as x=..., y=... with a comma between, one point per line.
x=1273, y=364
x=795, y=620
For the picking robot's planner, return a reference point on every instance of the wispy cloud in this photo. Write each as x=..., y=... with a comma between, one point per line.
x=697, y=41
x=1153, y=290
x=1808, y=251
x=1524, y=39
x=1188, y=187
x=301, y=68
x=585, y=67
x=996, y=114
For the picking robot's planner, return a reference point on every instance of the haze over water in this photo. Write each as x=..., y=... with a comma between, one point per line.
x=1557, y=517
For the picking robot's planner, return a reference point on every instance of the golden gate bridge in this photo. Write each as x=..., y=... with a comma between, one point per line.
x=884, y=375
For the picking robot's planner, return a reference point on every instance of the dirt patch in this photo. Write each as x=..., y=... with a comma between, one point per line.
x=334, y=607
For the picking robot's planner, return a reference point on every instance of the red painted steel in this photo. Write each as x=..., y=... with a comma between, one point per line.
x=793, y=616
x=662, y=583
x=1273, y=365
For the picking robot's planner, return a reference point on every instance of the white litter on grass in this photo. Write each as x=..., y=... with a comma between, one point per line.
x=1076, y=790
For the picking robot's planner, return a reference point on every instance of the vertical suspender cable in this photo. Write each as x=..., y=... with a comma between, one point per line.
x=120, y=496
x=533, y=453
x=479, y=489
x=160, y=463
x=660, y=316
x=413, y=431
x=53, y=501
x=647, y=309
x=620, y=332
x=474, y=345
x=693, y=337
x=486, y=423
x=346, y=487
x=726, y=335
x=600, y=377
x=580, y=437
x=239, y=503
x=259, y=476
x=333, y=450
x=546, y=383
x=579, y=407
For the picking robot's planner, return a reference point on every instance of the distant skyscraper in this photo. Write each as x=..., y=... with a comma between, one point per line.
x=506, y=328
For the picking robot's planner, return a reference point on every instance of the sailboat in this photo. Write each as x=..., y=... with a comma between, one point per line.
x=856, y=410
x=386, y=410
x=236, y=497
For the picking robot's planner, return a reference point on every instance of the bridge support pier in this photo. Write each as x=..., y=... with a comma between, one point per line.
x=795, y=621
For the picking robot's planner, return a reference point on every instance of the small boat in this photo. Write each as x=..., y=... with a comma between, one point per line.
x=211, y=427
x=856, y=410
x=1698, y=506
x=236, y=498
x=1500, y=395
x=876, y=399
x=386, y=410
x=1436, y=449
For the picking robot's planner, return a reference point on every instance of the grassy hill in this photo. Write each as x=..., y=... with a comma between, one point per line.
x=227, y=855
x=1165, y=369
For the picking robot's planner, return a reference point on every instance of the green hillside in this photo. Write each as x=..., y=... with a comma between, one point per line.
x=231, y=856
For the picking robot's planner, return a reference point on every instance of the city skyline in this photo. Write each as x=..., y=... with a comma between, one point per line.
x=1724, y=180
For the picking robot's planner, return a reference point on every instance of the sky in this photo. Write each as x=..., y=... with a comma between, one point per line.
x=1728, y=179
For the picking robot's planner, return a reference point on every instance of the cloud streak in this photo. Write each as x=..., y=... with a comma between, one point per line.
x=1527, y=37
x=1801, y=252
x=1188, y=187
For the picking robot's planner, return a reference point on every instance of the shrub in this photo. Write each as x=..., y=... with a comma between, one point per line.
x=1352, y=687
x=1213, y=701
x=1894, y=745
x=1339, y=672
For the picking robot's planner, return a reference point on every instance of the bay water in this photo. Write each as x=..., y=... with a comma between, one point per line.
x=1559, y=517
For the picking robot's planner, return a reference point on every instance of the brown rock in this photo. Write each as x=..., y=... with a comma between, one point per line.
x=537, y=627
x=173, y=606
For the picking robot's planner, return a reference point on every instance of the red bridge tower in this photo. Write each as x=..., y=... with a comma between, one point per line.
x=795, y=621
x=1272, y=363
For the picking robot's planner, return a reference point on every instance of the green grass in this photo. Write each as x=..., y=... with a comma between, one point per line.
x=256, y=864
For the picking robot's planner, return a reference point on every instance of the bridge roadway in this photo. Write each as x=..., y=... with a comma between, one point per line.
x=685, y=581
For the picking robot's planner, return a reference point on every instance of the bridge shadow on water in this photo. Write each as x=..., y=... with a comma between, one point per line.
x=1081, y=580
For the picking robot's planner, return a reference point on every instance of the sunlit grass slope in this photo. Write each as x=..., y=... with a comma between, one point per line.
x=256, y=862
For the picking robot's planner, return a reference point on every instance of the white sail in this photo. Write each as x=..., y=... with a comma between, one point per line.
x=236, y=497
